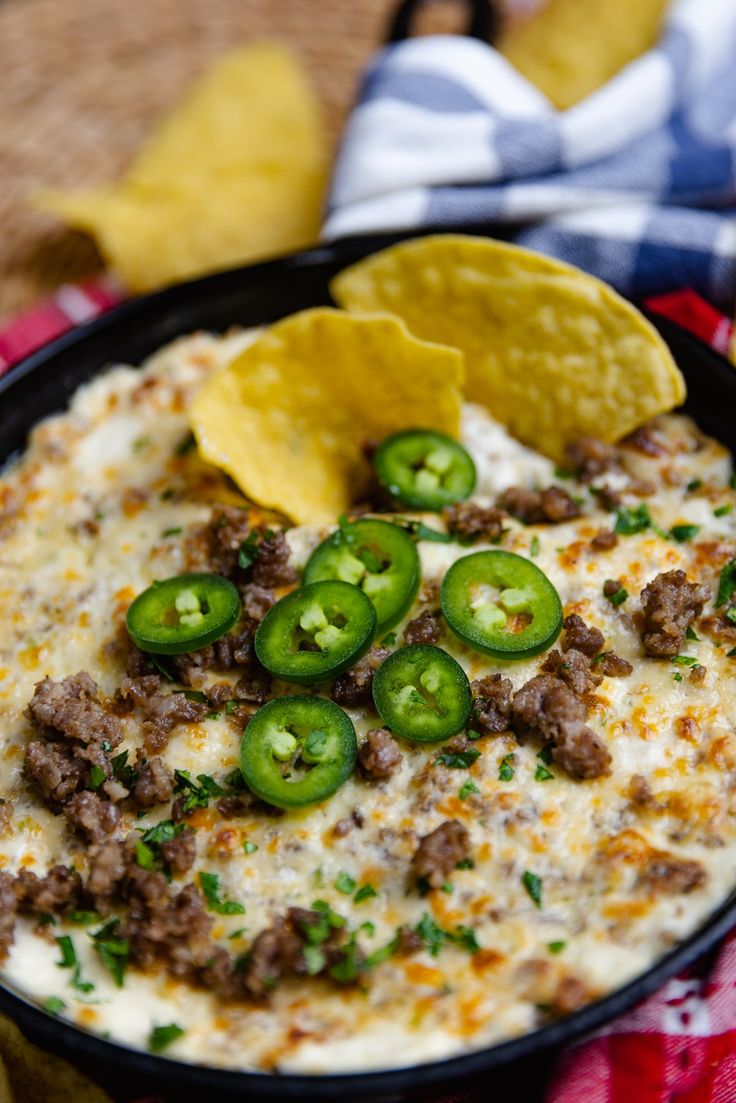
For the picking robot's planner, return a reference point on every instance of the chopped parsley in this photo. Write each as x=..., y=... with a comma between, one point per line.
x=465, y=863
x=691, y=634
x=54, y=1005
x=542, y=773
x=161, y=1037
x=533, y=885
x=460, y=760
x=726, y=584
x=723, y=511
x=69, y=961
x=346, y=969
x=506, y=770
x=68, y=953
x=199, y=793
x=140, y=443
x=144, y=856
x=249, y=847
x=731, y=654
x=534, y=547
x=230, y=708
x=176, y=531
x=210, y=885
x=365, y=892
x=419, y=531
x=389, y=640
x=684, y=660
x=435, y=937
x=249, y=549
x=683, y=533
x=677, y=677
x=113, y=952
x=618, y=597
x=556, y=947
x=345, y=884
x=467, y=789
x=694, y=484
x=629, y=522
x=96, y=777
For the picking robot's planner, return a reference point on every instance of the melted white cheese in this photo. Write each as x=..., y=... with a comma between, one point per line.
x=86, y=510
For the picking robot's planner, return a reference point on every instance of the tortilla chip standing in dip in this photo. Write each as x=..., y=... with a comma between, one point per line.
x=552, y=352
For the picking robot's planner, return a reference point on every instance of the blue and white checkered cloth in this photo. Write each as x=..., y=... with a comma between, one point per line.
x=636, y=184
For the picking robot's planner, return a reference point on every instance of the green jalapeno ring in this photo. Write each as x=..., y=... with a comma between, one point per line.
x=297, y=750
x=425, y=469
x=183, y=614
x=316, y=632
x=378, y=557
x=422, y=694
x=484, y=592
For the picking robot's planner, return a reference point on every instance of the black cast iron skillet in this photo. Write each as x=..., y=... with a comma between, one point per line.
x=247, y=297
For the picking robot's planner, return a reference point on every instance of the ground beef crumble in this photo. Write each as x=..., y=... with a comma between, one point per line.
x=534, y=507
x=379, y=755
x=354, y=687
x=426, y=628
x=547, y=708
x=670, y=604
x=580, y=637
x=439, y=852
x=590, y=457
x=492, y=703
x=575, y=670
x=471, y=521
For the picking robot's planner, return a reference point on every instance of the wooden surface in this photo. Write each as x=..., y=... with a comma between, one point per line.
x=83, y=80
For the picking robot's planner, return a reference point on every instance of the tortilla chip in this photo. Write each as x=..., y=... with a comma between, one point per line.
x=287, y=418
x=237, y=172
x=552, y=352
x=32, y=1076
x=569, y=48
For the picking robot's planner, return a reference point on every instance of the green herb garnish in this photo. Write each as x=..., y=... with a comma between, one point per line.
x=460, y=760
x=683, y=533
x=210, y=885
x=533, y=885
x=506, y=770
x=161, y=1037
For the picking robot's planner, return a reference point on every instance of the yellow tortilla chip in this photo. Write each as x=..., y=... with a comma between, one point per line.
x=569, y=48
x=237, y=172
x=552, y=352
x=28, y=1075
x=286, y=419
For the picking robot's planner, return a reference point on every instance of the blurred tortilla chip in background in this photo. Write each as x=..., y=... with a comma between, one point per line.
x=235, y=173
x=569, y=48
x=28, y=1075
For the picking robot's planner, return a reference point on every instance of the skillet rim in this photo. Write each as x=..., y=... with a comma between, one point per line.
x=179, y=301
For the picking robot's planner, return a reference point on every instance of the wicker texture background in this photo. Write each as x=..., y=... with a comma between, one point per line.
x=82, y=81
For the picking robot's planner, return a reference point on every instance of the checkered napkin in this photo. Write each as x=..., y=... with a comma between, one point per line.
x=636, y=184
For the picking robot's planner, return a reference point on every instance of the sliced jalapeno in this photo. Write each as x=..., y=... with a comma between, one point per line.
x=316, y=632
x=183, y=614
x=378, y=557
x=424, y=469
x=297, y=750
x=502, y=604
x=422, y=694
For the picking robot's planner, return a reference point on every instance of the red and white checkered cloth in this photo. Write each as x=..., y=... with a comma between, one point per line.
x=678, y=1046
